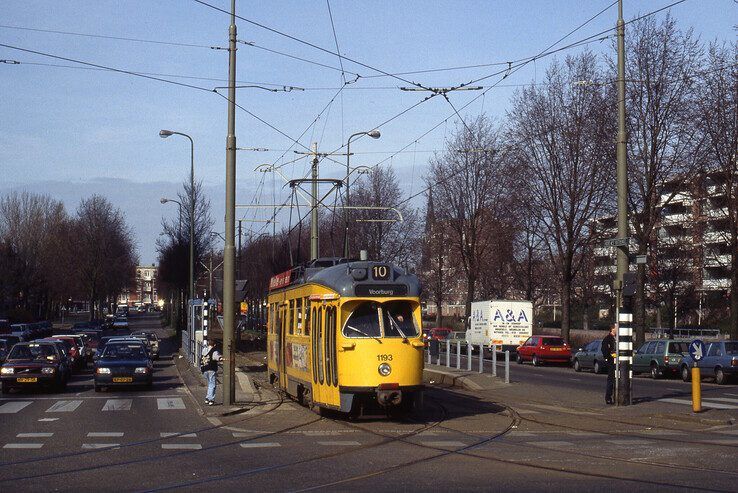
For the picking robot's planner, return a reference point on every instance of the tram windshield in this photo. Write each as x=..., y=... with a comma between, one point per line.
x=396, y=320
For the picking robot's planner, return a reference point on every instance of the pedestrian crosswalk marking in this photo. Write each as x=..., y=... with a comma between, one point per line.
x=175, y=403
x=64, y=407
x=181, y=446
x=105, y=434
x=340, y=443
x=260, y=444
x=117, y=405
x=48, y=420
x=724, y=441
x=705, y=403
x=724, y=399
x=177, y=435
x=13, y=407
x=99, y=445
x=444, y=443
x=34, y=435
x=24, y=445
x=552, y=443
x=629, y=442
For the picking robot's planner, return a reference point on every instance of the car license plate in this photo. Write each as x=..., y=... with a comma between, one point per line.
x=27, y=379
x=122, y=379
x=555, y=349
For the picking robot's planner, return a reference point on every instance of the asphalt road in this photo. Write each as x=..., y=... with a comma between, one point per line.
x=158, y=440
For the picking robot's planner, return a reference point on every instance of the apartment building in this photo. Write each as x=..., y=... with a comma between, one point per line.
x=143, y=292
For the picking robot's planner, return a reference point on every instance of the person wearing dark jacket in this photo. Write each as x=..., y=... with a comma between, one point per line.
x=608, y=353
x=209, y=368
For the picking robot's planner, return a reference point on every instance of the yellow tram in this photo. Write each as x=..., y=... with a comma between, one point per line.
x=344, y=334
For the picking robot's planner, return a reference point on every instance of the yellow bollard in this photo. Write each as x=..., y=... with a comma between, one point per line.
x=696, y=390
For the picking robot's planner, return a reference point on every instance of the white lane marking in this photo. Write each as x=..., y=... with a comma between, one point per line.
x=734, y=395
x=723, y=399
x=675, y=390
x=632, y=441
x=552, y=443
x=728, y=432
x=93, y=397
x=176, y=403
x=705, y=403
x=117, y=405
x=177, y=435
x=99, y=445
x=23, y=445
x=48, y=420
x=576, y=379
x=181, y=446
x=34, y=435
x=521, y=434
x=215, y=421
x=527, y=411
x=13, y=407
x=340, y=443
x=444, y=443
x=64, y=407
x=105, y=434
x=260, y=445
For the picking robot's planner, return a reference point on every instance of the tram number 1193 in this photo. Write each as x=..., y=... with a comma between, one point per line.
x=384, y=357
x=380, y=272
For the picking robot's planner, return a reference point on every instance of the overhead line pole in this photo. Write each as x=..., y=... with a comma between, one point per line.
x=229, y=271
x=314, y=239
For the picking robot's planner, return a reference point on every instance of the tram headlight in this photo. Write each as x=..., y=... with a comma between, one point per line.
x=384, y=369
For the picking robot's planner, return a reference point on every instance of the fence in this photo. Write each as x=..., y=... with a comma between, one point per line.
x=443, y=350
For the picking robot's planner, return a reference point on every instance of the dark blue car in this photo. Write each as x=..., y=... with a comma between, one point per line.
x=720, y=361
x=124, y=363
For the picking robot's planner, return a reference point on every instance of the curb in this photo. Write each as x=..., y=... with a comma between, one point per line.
x=453, y=379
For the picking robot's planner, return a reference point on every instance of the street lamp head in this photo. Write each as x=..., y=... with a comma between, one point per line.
x=374, y=134
x=165, y=133
x=163, y=200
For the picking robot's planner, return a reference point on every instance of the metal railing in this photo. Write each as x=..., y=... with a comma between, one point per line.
x=443, y=350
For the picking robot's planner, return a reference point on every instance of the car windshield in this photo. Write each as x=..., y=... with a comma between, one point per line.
x=678, y=347
x=552, y=341
x=32, y=352
x=731, y=348
x=123, y=351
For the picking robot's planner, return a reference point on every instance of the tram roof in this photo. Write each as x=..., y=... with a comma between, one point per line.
x=352, y=278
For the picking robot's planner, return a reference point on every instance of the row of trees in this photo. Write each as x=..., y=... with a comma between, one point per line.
x=521, y=196
x=49, y=257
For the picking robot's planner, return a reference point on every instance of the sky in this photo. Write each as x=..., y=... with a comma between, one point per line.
x=70, y=130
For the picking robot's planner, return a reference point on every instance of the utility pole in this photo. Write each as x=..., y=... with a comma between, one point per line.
x=229, y=271
x=238, y=263
x=624, y=315
x=314, y=240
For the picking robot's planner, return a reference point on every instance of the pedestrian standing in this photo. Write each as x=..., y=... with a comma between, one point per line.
x=209, y=368
x=609, y=353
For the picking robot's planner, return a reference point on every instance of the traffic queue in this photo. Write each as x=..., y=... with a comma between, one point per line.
x=47, y=359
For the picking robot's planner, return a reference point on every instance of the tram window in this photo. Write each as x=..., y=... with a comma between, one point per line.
x=291, y=319
x=307, y=317
x=398, y=319
x=298, y=315
x=314, y=355
x=320, y=334
x=363, y=321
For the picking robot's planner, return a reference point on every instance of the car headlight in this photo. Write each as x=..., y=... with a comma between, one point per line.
x=103, y=371
x=7, y=371
x=48, y=370
x=142, y=369
x=384, y=369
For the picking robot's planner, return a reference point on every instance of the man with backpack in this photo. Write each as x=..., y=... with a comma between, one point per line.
x=209, y=368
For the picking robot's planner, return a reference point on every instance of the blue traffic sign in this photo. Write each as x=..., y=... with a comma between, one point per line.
x=697, y=349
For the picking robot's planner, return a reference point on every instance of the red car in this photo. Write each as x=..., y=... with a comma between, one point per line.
x=542, y=349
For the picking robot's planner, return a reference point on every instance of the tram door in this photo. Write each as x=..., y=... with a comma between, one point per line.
x=281, y=320
x=325, y=368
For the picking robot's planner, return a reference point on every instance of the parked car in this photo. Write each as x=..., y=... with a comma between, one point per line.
x=5, y=348
x=660, y=357
x=544, y=349
x=123, y=363
x=457, y=336
x=4, y=326
x=120, y=323
x=33, y=364
x=590, y=358
x=440, y=333
x=23, y=331
x=720, y=361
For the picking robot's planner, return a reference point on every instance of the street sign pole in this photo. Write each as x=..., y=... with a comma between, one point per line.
x=697, y=352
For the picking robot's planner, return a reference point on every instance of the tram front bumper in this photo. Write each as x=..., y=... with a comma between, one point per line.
x=386, y=395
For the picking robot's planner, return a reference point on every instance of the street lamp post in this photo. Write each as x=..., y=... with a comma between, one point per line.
x=374, y=134
x=164, y=134
x=179, y=204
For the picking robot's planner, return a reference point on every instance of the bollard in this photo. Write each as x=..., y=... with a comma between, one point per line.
x=458, y=355
x=494, y=360
x=507, y=366
x=448, y=353
x=696, y=390
x=481, y=358
x=427, y=350
x=468, y=357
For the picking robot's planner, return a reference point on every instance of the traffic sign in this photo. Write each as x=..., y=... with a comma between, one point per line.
x=697, y=349
x=616, y=242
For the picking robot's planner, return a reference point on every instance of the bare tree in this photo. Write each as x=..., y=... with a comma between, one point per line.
x=472, y=199
x=563, y=140
x=717, y=120
x=662, y=139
